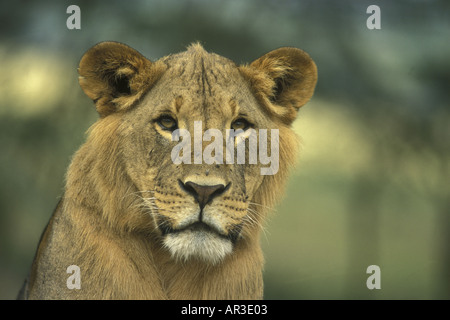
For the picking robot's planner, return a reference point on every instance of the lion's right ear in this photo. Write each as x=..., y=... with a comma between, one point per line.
x=283, y=80
x=115, y=76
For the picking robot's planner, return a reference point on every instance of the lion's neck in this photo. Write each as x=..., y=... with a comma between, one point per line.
x=239, y=276
x=135, y=265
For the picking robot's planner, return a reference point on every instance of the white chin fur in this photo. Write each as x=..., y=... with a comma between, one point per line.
x=204, y=245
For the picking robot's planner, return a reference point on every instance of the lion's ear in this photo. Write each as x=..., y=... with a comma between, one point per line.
x=115, y=76
x=283, y=80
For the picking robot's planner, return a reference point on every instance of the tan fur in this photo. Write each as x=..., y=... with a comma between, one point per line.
x=123, y=192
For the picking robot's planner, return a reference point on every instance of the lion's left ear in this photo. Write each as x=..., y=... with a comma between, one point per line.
x=115, y=76
x=282, y=80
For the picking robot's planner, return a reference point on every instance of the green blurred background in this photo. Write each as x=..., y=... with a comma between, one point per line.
x=372, y=182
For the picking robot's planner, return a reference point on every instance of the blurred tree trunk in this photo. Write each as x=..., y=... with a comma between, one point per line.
x=363, y=222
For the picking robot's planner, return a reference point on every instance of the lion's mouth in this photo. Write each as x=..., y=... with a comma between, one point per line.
x=201, y=228
x=198, y=227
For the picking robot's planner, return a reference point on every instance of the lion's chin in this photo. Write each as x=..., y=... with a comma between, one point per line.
x=204, y=245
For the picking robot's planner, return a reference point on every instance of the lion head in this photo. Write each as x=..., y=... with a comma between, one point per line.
x=207, y=205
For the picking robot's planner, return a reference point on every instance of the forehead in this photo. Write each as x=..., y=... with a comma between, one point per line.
x=202, y=84
x=202, y=71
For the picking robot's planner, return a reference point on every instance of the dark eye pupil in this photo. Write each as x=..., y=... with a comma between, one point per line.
x=240, y=124
x=167, y=123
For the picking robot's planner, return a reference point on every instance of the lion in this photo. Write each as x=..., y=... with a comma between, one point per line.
x=140, y=226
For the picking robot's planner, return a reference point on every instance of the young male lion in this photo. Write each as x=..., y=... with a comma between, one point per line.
x=139, y=225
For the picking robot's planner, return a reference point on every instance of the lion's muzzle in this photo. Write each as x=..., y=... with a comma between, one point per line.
x=202, y=233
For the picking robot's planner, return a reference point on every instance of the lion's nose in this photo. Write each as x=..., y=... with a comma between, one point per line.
x=204, y=194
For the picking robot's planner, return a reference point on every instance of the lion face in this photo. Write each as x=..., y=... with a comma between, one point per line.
x=182, y=119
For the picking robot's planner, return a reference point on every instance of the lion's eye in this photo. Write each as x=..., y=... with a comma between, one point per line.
x=241, y=124
x=167, y=123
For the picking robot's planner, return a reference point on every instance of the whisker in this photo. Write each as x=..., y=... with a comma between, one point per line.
x=254, y=221
x=261, y=205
